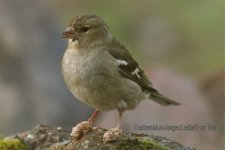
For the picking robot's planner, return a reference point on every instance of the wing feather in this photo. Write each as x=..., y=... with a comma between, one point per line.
x=131, y=69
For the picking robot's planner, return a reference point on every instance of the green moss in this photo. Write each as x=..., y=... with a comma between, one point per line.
x=136, y=144
x=11, y=144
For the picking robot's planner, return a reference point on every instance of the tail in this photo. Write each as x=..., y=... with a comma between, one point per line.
x=162, y=100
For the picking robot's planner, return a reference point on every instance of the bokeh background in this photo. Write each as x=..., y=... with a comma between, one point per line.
x=179, y=43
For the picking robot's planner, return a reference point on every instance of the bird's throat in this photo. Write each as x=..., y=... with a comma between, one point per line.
x=73, y=44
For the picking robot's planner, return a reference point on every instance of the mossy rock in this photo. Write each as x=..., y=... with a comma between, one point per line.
x=49, y=138
x=11, y=144
x=93, y=141
x=136, y=144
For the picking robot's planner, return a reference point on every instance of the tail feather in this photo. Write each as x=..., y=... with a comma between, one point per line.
x=159, y=98
x=162, y=100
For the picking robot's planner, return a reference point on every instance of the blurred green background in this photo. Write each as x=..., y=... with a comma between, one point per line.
x=179, y=43
x=197, y=27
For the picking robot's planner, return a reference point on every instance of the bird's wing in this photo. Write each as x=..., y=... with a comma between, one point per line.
x=129, y=68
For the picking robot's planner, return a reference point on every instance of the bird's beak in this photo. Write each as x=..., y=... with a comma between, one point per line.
x=69, y=33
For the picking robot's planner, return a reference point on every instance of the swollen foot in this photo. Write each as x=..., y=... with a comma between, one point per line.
x=112, y=135
x=80, y=129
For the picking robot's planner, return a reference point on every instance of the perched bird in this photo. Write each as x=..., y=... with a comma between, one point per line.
x=101, y=73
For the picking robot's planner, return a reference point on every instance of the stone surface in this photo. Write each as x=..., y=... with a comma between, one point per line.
x=47, y=137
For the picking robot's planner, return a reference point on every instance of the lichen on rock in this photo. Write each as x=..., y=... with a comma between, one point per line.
x=11, y=144
x=47, y=137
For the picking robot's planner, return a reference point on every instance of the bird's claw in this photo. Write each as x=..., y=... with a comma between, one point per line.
x=80, y=129
x=112, y=135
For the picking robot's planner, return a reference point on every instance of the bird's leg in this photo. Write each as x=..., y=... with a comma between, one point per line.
x=93, y=116
x=114, y=133
x=119, y=120
x=83, y=127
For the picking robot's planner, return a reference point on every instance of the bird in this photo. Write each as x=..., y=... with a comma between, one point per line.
x=100, y=72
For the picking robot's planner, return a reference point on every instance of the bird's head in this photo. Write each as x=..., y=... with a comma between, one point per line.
x=87, y=30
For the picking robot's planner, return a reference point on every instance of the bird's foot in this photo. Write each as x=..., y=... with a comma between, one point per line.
x=112, y=135
x=80, y=129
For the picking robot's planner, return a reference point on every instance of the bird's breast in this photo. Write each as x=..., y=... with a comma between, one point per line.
x=90, y=76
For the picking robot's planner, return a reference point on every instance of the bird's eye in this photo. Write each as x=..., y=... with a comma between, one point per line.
x=84, y=29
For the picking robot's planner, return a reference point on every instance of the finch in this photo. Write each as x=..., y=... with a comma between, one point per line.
x=101, y=73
